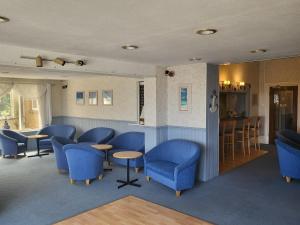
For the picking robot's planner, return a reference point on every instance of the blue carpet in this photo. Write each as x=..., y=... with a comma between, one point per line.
x=33, y=193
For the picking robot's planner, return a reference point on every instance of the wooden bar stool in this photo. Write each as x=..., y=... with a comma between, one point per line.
x=227, y=135
x=254, y=131
x=242, y=135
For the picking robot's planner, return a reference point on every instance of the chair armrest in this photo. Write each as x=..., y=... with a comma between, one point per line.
x=21, y=138
x=181, y=167
x=151, y=155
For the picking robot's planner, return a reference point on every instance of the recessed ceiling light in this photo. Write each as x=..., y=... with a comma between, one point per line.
x=3, y=19
x=195, y=59
x=260, y=50
x=206, y=31
x=130, y=47
x=226, y=64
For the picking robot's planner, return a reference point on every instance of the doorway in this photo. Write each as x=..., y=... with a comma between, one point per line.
x=283, y=109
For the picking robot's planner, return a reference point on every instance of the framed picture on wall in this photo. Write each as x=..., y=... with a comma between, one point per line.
x=93, y=97
x=185, y=97
x=107, y=97
x=80, y=97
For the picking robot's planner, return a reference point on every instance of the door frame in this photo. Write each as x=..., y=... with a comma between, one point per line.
x=295, y=90
x=266, y=107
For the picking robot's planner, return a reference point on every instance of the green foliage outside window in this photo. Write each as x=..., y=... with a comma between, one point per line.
x=5, y=106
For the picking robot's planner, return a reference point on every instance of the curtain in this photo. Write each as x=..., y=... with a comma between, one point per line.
x=5, y=88
x=41, y=92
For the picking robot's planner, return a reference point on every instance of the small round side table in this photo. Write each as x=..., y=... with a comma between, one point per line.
x=105, y=148
x=38, y=137
x=128, y=155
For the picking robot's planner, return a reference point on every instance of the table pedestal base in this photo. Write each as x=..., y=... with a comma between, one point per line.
x=124, y=183
x=38, y=155
x=128, y=181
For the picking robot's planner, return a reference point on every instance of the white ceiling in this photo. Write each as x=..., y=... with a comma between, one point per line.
x=164, y=29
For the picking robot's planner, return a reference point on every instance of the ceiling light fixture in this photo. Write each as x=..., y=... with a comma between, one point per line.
x=59, y=61
x=39, y=61
x=226, y=64
x=3, y=19
x=260, y=50
x=130, y=47
x=206, y=31
x=195, y=59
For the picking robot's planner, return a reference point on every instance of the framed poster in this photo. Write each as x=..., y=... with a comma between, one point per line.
x=93, y=97
x=185, y=97
x=107, y=97
x=80, y=97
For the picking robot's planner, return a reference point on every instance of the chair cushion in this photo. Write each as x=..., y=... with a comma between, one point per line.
x=164, y=168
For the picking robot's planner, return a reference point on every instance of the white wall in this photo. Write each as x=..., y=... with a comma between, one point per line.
x=125, y=98
x=194, y=75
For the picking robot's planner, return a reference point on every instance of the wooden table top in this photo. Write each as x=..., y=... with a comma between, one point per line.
x=102, y=147
x=37, y=136
x=127, y=155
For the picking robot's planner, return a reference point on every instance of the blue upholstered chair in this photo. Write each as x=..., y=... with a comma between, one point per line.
x=85, y=163
x=173, y=163
x=12, y=143
x=65, y=131
x=130, y=141
x=289, y=160
x=98, y=135
x=290, y=137
x=60, y=155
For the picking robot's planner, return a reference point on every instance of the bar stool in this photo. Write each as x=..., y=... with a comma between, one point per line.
x=242, y=135
x=227, y=136
x=254, y=131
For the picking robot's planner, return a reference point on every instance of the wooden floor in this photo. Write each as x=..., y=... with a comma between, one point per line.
x=239, y=160
x=132, y=211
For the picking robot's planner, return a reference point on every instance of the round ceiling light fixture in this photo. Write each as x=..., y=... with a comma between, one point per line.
x=260, y=50
x=195, y=59
x=130, y=47
x=206, y=31
x=3, y=19
x=226, y=64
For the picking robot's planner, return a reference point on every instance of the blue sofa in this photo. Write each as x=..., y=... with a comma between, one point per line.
x=289, y=160
x=60, y=155
x=130, y=141
x=65, y=131
x=85, y=163
x=173, y=163
x=12, y=143
x=98, y=135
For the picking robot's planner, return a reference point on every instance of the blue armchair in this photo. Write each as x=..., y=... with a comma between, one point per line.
x=85, y=163
x=65, y=131
x=290, y=137
x=130, y=141
x=98, y=135
x=173, y=163
x=289, y=160
x=60, y=155
x=12, y=143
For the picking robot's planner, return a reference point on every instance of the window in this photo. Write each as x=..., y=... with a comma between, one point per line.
x=34, y=105
x=6, y=110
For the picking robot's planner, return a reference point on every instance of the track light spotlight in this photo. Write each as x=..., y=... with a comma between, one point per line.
x=59, y=61
x=79, y=63
x=39, y=61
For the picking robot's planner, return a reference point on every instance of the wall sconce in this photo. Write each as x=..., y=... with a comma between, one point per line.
x=226, y=82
